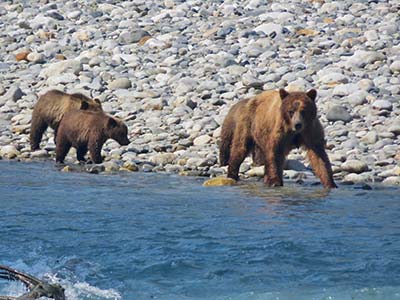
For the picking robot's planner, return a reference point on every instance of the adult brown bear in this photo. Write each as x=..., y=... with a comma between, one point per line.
x=269, y=125
x=50, y=109
x=88, y=130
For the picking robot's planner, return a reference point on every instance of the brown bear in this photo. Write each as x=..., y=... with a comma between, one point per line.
x=269, y=126
x=88, y=130
x=50, y=109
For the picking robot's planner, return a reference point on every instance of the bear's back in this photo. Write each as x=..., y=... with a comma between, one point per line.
x=266, y=110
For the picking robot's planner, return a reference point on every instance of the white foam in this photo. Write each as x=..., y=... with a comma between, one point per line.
x=73, y=291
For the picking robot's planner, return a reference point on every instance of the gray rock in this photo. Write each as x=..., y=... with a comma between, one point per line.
x=163, y=158
x=345, y=89
x=270, y=29
x=382, y=105
x=361, y=58
x=13, y=94
x=39, y=154
x=202, y=140
x=370, y=137
x=395, y=127
x=354, y=166
x=338, y=113
x=334, y=78
x=132, y=36
x=66, y=66
x=120, y=83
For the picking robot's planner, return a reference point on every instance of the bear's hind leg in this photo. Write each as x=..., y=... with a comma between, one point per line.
x=62, y=149
x=38, y=127
x=239, y=150
x=80, y=153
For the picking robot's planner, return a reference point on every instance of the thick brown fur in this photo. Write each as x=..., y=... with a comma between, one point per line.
x=88, y=130
x=269, y=126
x=50, y=109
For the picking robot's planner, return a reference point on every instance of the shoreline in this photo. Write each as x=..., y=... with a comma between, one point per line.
x=172, y=70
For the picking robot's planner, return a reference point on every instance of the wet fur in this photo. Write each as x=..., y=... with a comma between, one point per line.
x=50, y=109
x=265, y=126
x=87, y=130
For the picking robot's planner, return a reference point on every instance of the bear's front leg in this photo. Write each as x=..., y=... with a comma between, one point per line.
x=274, y=159
x=95, y=152
x=321, y=165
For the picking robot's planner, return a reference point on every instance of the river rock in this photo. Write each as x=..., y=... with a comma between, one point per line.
x=9, y=152
x=120, y=83
x=202, y=140
x=130, y=166
x=338, y=113
x=35, y=57
x=163, y=158
x=219, y=181
x=39, y=154
x=256, y=171
x=392, y=180
x=14, y=93
x=395, y=66
x=382, y=105
x=66, y=66
x=361, y=58
x=354, y=166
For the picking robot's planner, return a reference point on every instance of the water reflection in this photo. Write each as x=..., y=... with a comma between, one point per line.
x=290, y=194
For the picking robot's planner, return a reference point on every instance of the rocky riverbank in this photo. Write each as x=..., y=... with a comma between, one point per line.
x=172, y=69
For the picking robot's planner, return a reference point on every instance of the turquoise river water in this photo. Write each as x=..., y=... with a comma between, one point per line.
x=156, y=236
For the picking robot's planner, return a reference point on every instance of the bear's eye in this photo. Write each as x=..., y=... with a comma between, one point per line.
x=291, y=112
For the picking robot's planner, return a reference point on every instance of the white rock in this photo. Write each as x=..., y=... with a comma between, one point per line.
x=382, y=104
x=9, y=152
x=35, y=57
x=269, y=28
x=66, y=66
x=354, y=166
x=120, y=83
x=395, y=66
x=202, y=140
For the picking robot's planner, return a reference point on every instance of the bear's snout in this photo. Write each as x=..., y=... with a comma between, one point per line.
x=124, y=142
x=298, y=126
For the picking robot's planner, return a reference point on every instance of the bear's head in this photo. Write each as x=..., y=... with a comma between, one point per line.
x=298, y=109
x=91, y=104
x=117, y=131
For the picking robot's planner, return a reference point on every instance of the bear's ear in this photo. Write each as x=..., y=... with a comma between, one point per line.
x=112, y=123
x=84, y=105
x=312, y=94
x=283, y=94
x=97, y=100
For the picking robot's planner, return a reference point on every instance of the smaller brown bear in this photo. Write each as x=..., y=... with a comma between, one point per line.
x=269, y=126
x=50, y=109
x=88, y=130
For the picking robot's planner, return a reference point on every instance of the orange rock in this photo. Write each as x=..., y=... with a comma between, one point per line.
x=144, y=39
x=328, y=20
x=22, y=55
x=332, y=84
x=60, y=57
x=307, y=32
